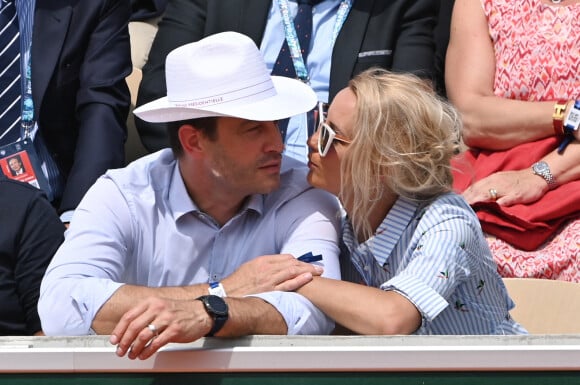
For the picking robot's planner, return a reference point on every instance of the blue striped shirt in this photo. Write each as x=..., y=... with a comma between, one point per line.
x=435, y=254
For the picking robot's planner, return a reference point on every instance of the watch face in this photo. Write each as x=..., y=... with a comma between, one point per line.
x=541, y=167
x=217, y=305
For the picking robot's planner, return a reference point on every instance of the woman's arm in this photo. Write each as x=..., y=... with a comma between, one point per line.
x=490, y=121
x=363, y=309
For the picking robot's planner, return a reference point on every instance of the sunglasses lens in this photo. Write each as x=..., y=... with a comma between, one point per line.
x=323, y=139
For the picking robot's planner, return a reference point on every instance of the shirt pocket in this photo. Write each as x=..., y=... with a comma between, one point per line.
x=377, y=58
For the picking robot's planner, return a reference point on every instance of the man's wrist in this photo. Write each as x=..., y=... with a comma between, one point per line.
x=216, y=288
x=203, y=318
x=217, y=309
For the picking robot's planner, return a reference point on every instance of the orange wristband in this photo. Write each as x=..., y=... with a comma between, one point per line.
x=558, y=116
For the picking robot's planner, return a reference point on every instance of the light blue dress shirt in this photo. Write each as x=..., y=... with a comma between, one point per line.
x=436, y=256
x=324, y=17
x=138, y=226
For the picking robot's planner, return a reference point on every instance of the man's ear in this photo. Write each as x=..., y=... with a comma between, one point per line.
x=191, y=139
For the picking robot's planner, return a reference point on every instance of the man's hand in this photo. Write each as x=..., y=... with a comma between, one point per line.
x=171, y=320
x=281, y=272
x=155, y=322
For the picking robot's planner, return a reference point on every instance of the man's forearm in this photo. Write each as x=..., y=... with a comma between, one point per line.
x=252, y=315
x=262, y=274
x=128, y=295
x=187, y=321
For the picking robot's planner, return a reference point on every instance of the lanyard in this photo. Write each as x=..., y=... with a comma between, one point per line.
x=292, y=38
x=25, y=11
x=27, y=118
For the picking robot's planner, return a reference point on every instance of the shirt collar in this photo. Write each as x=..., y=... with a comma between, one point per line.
x=181, y=203
x=391, y=229
x=388, y=233
x=256, y=203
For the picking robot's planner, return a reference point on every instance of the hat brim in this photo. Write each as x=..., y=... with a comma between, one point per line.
x=292, y=98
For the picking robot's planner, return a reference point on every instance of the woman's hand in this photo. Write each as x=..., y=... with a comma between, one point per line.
x=510, y=187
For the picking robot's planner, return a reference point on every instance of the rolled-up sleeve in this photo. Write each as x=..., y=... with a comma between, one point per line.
x=87, y=268
x=428, y=301
x=312, y=223
x=301, y=316
x=440, y=263
x=67, y=308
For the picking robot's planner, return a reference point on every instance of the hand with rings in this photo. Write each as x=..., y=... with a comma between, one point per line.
x=155, y=322
x=153, y=330
x=507, y=188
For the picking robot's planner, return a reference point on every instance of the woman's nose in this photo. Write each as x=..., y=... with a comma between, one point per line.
x=312, y=141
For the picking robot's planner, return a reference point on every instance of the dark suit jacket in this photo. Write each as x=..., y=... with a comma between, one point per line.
x=441, y=41
x=403, y=27
x=31, y=234
x=147, y=9
x=80, y=58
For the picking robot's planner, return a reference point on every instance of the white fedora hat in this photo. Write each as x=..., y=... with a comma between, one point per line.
x=225, y=75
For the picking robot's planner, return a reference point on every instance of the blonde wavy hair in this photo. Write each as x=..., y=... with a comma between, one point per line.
x=404, y=138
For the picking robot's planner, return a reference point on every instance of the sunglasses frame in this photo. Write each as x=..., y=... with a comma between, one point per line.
x=332, y=136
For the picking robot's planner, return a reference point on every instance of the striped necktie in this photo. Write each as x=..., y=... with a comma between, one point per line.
x=10, y=85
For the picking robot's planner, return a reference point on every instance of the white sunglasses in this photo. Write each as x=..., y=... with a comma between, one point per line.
x=326, y=135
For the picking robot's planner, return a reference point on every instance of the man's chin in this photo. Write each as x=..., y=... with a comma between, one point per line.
x=270, y=186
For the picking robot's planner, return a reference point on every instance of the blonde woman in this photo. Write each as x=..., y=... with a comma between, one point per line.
x=416, y=253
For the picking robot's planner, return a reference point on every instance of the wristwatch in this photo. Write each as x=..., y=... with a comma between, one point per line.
x=542, y=169
x=217, y=308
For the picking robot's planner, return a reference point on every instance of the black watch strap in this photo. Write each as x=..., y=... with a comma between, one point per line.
x=217, y=308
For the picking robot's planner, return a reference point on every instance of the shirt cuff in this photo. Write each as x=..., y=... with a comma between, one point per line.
x=428, y=301
x=300, y=315
x=87, y=304
x=66, y=216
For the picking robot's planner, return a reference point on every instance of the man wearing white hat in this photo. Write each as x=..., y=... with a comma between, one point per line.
x=202, y=239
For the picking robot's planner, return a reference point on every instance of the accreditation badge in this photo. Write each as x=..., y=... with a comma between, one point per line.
x=19, y=161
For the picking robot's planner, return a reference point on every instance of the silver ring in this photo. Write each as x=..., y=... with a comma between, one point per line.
x=493, y=194
x=153, y=330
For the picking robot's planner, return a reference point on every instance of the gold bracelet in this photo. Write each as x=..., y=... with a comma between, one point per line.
x=558, y=116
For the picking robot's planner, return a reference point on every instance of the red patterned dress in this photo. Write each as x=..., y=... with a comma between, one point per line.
x=537, y=49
